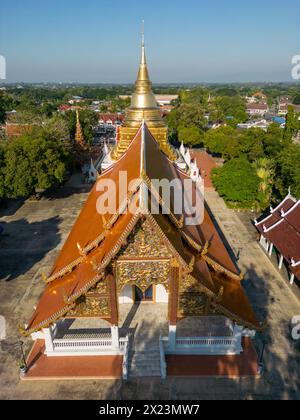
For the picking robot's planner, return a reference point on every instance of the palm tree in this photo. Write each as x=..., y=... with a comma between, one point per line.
x=265, y=172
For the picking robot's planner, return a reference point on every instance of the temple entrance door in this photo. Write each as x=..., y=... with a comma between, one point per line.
x=148, y=296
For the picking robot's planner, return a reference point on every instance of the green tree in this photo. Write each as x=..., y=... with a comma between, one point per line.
x=273, y=140
x=292, y=124
x=2, y=174
x=251, y=143
x=217, y=141
x=191, y=136
x=33, y=161
x=187, y=115
x=6, y=104
x=288, y=170
x=2, y=111
x=88, y=120
x=237, y=182
x=195, y=96
x=56, y=129
x=265, y=172
x=234, y=107
x=297, y=99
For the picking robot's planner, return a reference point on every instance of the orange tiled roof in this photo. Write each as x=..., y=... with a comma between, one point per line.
x=95, y=240
x=16, y=130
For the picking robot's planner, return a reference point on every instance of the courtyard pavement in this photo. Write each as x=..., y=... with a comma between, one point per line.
x=35, y=232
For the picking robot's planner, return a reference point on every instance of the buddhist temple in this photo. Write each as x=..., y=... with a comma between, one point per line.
x=115, y=262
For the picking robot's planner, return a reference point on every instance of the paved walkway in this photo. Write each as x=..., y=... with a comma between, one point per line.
x=144, y=323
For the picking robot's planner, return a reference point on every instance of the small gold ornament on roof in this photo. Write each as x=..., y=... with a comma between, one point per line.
x=192, y=264
x=205, y=249
x=65, y=297
x=22, y=330
x=44, y=277
x=220, y=295
x=175, y=263
x=80, y=249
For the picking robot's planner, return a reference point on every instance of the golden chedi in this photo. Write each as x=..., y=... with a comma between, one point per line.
x=143, y=107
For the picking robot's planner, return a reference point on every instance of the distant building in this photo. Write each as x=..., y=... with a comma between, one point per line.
x=76, y=100
x=162, y=100
x=260, y=109
x=284, y=103
x=111, y=119
x=16, y=130
x=166, y=109
x=65, y=108
x=262, y=124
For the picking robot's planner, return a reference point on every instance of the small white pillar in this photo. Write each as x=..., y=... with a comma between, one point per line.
x=292, y=279
x=271, y=250
x=238, y=334
x=48, y=340
x=281, y=262
x=115, y=337
x=172, y=337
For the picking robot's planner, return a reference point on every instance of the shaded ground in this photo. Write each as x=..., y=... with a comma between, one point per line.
x=36, y=231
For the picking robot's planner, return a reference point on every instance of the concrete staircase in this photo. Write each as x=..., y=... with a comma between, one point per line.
x=144, y=362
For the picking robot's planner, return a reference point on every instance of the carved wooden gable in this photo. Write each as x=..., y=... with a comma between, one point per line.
x=96, y=303
x=144, y=242
x=146, y=260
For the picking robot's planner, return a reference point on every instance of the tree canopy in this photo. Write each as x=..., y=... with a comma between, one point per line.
x=191, y=136
x=288, y=170
x=31, y=162
x=237, y=182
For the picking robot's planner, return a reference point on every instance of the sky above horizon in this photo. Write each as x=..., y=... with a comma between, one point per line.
x=98, y=41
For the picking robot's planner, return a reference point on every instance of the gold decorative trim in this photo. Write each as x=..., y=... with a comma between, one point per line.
x=95, y=244
x=217, y=267
x=178, y=223
x=205, y=249
x=191, y=242
x=49, y=321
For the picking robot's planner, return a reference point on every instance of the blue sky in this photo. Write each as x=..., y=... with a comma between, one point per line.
x=187, y=40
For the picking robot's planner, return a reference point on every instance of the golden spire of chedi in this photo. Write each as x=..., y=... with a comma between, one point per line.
x=143, y=103
x=79, y=133
x=143, y=108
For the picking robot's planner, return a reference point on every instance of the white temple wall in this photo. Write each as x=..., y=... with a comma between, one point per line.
x=161, y=294
x=126, y=296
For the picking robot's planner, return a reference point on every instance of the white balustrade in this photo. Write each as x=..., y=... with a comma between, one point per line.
x=204, y=345
x=125, y=347
x=81, y=344
x=163, y=363
x=84, y=345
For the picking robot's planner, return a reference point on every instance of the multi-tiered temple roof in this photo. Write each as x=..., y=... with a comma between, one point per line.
x=88, y=257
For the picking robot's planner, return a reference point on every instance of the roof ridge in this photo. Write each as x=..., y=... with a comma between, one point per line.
x=274, y=225
x=292, y=208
